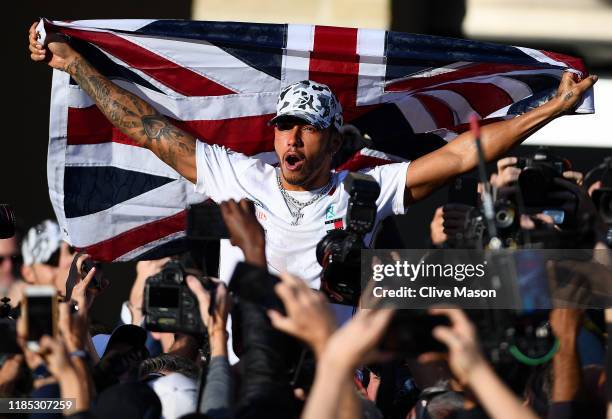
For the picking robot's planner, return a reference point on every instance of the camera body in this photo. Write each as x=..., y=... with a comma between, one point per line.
x=169, y=304
x=339, y=252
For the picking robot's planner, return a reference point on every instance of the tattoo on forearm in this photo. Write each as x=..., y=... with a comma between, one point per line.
x=133, y=116
x=568, y=96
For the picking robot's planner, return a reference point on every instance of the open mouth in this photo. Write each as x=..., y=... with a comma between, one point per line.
x=294, y=161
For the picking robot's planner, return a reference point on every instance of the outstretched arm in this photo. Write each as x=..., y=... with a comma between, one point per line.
x=428, y=173
x=130, y=114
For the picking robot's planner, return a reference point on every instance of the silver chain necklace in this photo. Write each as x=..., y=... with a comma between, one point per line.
x=294, y=206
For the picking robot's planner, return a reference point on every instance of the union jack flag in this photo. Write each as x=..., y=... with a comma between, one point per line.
x=220, y=81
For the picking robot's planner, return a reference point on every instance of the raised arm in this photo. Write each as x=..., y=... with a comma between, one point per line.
x=433, y=170
x=130, y=114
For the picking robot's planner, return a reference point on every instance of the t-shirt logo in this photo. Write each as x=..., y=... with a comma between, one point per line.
x=330, y=213
x=337, y=224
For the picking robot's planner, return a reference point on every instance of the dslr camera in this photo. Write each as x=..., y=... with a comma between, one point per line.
x=169, y=304
x=339, y=252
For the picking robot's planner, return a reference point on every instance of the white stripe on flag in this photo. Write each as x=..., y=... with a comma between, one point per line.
x=118, y=155
x=135, y=212
x=195, y=108
x=296, y=59
x=458, y=105
x=218, y=66
x=372, y=67
x=416, y=114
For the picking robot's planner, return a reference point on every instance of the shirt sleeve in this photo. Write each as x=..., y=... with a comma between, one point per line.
x=392, y=181
x=220, y=171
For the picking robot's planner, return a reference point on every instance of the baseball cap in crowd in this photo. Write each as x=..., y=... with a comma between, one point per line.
x=41, y=243
x=128, y=400
x=313, y=102
x=130, y=334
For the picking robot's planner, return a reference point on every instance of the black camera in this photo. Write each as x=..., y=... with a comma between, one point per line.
x=339, y=252
x=537, y=174
x=169, y=304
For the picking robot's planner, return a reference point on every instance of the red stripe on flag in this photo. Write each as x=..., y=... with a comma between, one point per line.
x=111, y=249
x=249, y=134
x=334, y=62
x=90, y=126
x=180, y=79
x=416, y=83
x=438, y=110
x=484, y=98
x=572, y=62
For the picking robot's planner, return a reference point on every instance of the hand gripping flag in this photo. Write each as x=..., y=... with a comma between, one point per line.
x=220, y=81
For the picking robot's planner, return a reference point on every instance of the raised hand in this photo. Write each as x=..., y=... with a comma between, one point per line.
x=57, y=53
x=462, y=342
x=309, y=316
x=570, y=92
x=245, y=230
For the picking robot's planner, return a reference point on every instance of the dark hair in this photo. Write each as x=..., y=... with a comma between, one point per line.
x=169, y=362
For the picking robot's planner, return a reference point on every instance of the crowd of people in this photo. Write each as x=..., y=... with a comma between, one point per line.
x=288, y=351
x=294, y=361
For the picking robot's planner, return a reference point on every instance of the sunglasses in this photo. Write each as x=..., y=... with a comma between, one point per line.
x=16, y=259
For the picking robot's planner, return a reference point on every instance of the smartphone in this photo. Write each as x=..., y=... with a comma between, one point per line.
x=464, y=190
x=40, y=314
x=205, y=222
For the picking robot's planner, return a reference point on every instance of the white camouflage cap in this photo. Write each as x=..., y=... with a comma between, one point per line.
x=40, y=242
x=311, y=101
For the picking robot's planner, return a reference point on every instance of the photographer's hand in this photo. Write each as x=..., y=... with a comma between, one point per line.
x=217, y=323
x=436, y=228
x=333, y=394
x=58, y=362
x=144, y=270
x=507, y=173
x=309, y=317
x=245, y=230
x=470, y=367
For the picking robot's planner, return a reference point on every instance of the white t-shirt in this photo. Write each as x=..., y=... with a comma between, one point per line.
x=223, y=175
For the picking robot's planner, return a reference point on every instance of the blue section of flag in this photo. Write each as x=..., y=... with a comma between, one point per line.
x=411, y=53
x=108, y=67
x=259, y=45
x=88, y=190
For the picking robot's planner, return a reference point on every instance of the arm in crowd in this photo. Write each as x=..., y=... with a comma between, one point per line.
x=353, y=344
x=433, y=170
x=126, y=111
x=245, y=231
x=567, y=371
x=472, y=370
x=309, y=318
x=217, y=398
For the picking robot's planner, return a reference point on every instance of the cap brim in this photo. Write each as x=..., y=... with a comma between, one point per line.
x=309, y=119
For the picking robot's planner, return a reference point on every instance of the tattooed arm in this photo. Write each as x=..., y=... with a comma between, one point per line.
x=130, y=114
x=433, y=170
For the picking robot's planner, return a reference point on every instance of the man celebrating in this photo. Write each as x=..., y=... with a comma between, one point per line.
x=296, y=201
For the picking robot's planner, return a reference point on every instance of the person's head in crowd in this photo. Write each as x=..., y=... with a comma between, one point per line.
x=306, y=132
x=46, y=258
x=177, y=393
x=121, y=353
x=169, y=363
x=438, y=403
x=128, y=400
x=10, y=261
